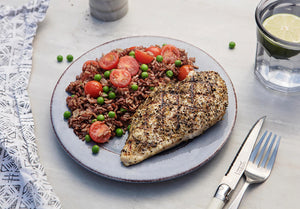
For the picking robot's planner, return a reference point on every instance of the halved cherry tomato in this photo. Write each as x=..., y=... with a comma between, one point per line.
x=93, y=88
x=99, y=132
x=132, y=48
x=170, y=53
x=120, y=78
x=130, y=64
x=184, y=71
x=109, y=61
x=154, y=50
x=90, y=63
x=143, y=57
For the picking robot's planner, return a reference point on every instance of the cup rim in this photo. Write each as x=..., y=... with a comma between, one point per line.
x=291, y=45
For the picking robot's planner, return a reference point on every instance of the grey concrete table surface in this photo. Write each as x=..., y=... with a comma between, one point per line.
x=209, y=25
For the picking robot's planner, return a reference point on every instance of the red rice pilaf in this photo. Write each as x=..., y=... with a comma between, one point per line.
x=85, y=109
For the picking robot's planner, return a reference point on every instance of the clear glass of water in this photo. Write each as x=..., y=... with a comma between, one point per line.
x=277, y=63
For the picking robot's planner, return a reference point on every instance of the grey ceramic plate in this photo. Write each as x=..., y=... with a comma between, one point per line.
x=171, y=164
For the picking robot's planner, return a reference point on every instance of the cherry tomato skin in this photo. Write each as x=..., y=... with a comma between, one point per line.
x=99, y=132
x=120, y=78
x=132, y=48
x=170, y=53
x=90, y=63
x=154, y=50
x=109, y=61
x=143, y=57
x=93, y=88
x=130, y=64
x=184, y=71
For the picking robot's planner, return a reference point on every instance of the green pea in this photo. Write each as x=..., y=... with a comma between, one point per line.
x=87, y=138
x=100, y=117
x=111, y=95
x=144, y=67
x=105, y=89
x=144, y=75
x=94, y=120
x=69, y=58
x=134, y=87
x=151, y=88
x=67, y=114
x=178, y=63
x=97, y=77
x=128, y=127
x=95, y=149
x=111, y=114
x=123, y=110
x=73, y=95
x=231, y=45
x=164, y=44
x=100, y=100
x=132, y=53
x=159, y=58
x=119, y=132
x=107, y=74
x=59, y=58
x=169, y=73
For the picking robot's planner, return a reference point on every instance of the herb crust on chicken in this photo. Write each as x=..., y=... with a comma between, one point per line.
x=175, y=113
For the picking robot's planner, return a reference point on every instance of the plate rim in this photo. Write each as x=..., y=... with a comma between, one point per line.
x=155, y=179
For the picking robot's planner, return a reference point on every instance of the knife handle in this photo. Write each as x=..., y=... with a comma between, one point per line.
x=216, y=203
x=220, y=197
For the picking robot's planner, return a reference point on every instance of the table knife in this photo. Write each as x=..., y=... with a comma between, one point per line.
x=237, y=168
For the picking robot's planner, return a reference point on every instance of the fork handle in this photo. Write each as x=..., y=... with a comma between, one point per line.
x=236, y=202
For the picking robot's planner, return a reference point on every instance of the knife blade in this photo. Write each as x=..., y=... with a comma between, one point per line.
x=237, y=167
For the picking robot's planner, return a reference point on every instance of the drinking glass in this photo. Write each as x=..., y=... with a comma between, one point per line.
x=277, y=63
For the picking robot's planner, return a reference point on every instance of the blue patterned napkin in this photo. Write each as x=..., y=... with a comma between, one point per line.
x=23, y=182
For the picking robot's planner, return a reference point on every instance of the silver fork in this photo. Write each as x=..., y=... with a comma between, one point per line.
x=259, y=166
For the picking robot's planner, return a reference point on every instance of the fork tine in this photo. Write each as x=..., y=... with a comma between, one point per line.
x=263, y=149
x=272, y=159
x=256, y=148
x=268, y=151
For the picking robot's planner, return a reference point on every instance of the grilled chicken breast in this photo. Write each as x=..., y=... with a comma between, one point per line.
x=175, y=113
